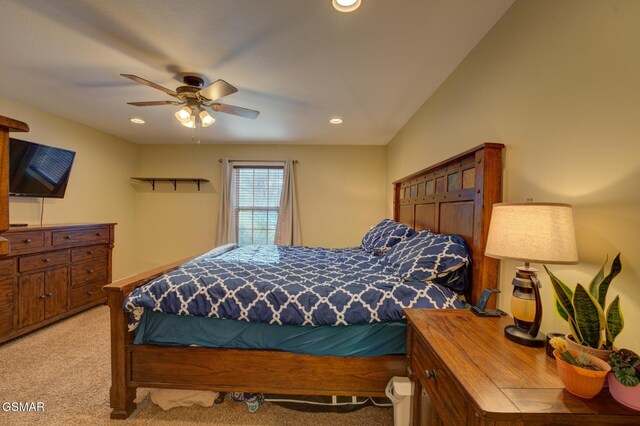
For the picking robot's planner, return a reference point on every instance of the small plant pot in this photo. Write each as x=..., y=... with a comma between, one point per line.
x=572, y=345
x=581, y=381
x=629, y=396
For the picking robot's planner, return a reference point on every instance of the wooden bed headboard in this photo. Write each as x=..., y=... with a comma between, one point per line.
x=455, y=196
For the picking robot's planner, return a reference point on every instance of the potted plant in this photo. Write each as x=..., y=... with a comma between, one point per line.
x=593, y=328
x=581, y=374
x=624, y=379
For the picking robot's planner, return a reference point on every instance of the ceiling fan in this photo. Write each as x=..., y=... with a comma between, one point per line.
x=196, y=100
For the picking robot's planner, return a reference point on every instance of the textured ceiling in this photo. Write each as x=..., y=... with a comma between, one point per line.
x=299, y=62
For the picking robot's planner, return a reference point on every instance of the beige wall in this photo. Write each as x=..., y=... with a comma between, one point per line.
x=99, y=189
x=558, y=83
x=340, y=190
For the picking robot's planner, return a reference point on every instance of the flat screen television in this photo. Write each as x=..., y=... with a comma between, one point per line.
x=37, y=170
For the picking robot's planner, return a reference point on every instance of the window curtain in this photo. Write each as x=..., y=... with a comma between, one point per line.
x=226, y=231
x=288, y=228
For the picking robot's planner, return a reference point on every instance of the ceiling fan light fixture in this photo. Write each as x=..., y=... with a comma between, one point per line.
x=206, y=119
x=189, y=122
x=346, y=5
x=184, y=113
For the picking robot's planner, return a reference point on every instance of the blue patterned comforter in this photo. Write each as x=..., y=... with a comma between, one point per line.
x=288, y=285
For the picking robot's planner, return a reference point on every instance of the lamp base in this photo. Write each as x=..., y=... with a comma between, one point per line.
x=521, y=337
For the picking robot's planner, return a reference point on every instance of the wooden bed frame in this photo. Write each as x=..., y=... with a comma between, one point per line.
x=453, y=196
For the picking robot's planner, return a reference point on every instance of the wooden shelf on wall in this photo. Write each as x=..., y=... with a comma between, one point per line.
x=174, y=181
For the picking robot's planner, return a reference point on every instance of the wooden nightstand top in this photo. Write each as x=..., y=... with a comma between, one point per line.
x=500, y=377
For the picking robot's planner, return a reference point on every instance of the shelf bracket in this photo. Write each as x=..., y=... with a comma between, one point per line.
x=175, y=184
x=153, y=184
x=198, y=183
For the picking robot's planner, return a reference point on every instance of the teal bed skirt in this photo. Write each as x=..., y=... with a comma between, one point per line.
x=373, y=339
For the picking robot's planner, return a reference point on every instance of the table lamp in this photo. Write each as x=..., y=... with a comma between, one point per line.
x=533, y=233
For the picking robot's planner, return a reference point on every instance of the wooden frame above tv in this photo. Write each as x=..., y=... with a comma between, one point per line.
x=6, y=125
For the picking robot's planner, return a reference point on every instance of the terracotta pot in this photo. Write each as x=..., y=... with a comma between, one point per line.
x=572, y=345
x=629, y=396
x=580, y=381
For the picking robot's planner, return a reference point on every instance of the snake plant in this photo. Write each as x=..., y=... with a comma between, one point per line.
x=590, y=323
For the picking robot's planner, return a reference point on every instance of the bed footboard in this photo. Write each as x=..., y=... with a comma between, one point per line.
x=122, y=392
x=121, y=396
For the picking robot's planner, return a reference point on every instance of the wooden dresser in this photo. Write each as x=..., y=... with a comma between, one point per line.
x=52, y=272
x=467, y=373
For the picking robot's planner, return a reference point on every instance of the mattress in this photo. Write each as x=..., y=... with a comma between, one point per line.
x=371, y=339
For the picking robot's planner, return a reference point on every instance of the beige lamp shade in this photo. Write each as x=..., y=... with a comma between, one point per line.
x=532, y=232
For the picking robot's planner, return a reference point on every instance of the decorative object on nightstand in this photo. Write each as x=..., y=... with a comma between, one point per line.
x=530, y=232
x=581, y=374
x=549, y=348
x=593, y=330
x=624, y=379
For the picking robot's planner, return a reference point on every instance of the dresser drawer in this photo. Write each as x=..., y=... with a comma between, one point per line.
x=88, y=272
x=6, y=292
x=45, y=260
x=87, y=294
x=448, y=400
x=84, y=236
x=7, y=268
x=88, y=253
x=6, y=320
x=21, y=242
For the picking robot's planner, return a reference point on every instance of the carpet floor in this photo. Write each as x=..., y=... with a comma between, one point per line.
x=67, y=367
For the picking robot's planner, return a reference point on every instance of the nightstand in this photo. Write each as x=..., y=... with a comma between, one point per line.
x=467, y=372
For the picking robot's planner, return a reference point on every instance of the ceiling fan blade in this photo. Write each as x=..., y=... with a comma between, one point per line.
x=155, y=103
x=150, y=84
x=216, y=90
x=235, y=110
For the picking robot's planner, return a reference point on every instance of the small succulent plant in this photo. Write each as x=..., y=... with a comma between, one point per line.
x=582, y=360
x=625, y=364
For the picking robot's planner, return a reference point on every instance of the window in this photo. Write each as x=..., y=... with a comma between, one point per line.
x=256, y=204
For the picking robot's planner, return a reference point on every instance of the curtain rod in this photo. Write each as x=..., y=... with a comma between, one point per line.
x=257, y=161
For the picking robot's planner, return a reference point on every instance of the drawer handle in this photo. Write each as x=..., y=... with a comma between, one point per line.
x=431, y=374
x=98, y=234
x=49, y=294
x=46, y=260
x=90, y=271
x=90, y=293
x=27, y=241
x=90, y=252
x=44, y=296
x=67, y=237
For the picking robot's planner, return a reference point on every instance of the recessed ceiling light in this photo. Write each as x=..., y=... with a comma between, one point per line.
x=136, y=120
x=346, y=5
x=335, y=120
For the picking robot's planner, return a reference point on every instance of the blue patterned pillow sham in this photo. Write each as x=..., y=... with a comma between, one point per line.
x=427, y=256
x=385, y=235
